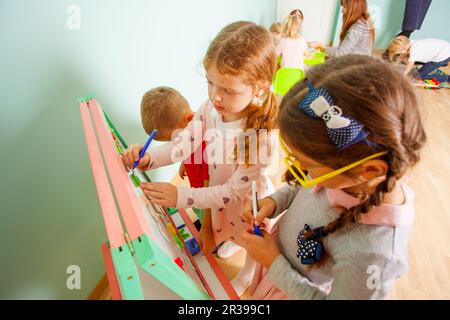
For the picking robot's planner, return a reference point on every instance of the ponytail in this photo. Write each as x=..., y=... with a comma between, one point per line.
x=294, y=17
x=261, y=116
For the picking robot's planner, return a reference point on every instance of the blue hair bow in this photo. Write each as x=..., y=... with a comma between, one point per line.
x=310, y=251
x=343, y=131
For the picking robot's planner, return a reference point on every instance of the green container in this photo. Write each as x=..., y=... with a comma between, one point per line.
x=285, y=79
x=318, y=58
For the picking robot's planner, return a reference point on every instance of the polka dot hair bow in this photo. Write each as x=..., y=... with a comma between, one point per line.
x=310, y=250
x=342, y=130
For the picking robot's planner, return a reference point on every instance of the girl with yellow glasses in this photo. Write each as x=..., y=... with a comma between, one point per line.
x=351, y=129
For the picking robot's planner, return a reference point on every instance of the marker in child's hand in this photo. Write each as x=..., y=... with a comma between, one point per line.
x=144, y=149
x=256, y=229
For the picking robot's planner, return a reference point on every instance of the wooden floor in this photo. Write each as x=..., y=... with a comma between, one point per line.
x=429, y=245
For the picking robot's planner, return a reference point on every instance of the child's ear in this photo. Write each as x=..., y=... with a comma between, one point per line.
x=260, y=88
x=188, y=117
x=373, y=169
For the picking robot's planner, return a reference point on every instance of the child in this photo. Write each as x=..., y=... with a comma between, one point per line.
x=166, y=110
x=433, y=53
x=292, y=45
x=353, y=127
x=276, y=29
x=358, y=33
x=239, y=79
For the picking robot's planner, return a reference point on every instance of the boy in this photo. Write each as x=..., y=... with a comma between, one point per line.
x=165, y=109
x=276, y=30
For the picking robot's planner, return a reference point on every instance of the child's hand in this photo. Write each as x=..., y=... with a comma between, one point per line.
x=267, y=207
x=182, y=171
x=162, y=193
x=262, y=249
x=131, y=154
x=317, y=46
x=206, y=239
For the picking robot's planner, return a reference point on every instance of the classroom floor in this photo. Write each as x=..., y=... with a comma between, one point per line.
x=429, y=246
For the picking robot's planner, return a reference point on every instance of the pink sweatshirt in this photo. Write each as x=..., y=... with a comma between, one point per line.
x=230, y=182
x=292, y=51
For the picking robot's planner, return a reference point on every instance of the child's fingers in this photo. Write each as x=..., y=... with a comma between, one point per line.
x=135, y=152
x=247, y=213
x=255, y=240
x=154, y=194
x=146, y=186
x=265, y=234
x=151, y=190
x=161, y=202
x=151, y=186
x=260, y=218
x=262, y=214
x=265, y=210
x=128, y=156
x=247, y=236
x=125, y=160
x=247, y=216
x=145, y=160
x=248, y=206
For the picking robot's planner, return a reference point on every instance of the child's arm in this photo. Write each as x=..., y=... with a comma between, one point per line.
x=409, y=67
x=233, y=191
x=179, y=149
x=351, y=40
x=355, y=277
x=270, y=206
x=237, y=187
x=283, y=198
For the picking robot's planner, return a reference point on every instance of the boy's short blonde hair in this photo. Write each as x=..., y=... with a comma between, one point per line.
x=276, y=27
x=398, y=50
x=162, y=108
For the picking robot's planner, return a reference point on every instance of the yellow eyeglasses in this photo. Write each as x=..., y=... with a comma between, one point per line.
x=291, y=161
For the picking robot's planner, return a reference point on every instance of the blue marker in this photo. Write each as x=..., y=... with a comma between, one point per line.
x=144, y=149
x=256, y=229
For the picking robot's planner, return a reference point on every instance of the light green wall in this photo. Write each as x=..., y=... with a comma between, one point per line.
x=50, y=216
x=388, y=18
x=436, y=22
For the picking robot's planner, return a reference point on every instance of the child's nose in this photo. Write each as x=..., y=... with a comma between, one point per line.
x=216, y=96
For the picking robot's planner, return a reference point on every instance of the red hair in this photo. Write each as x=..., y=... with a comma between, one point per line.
x=247, y=49
x=355, y=10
